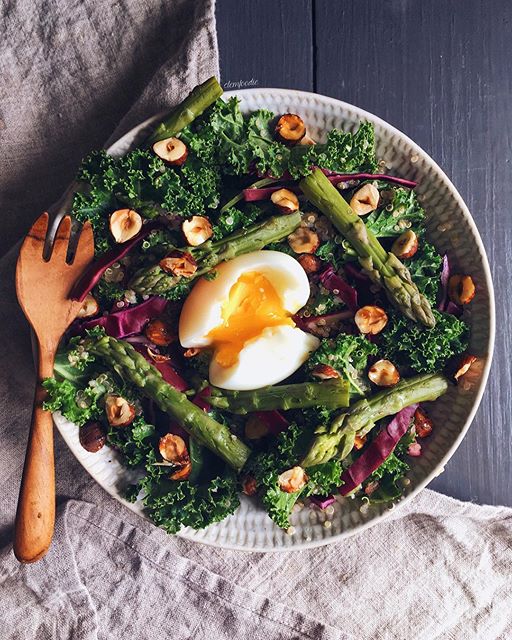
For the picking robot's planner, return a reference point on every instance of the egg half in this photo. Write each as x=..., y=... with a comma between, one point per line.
x=244, y=315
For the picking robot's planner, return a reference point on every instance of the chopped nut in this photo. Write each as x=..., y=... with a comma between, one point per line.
x=303, y=240
x=92, y=436
x=182, y=473
x=406, y=245
x=461, y=289
x=371, y=487
x=464, y=366
x=384, y=373
x=310, y=263
x=197, y=230
x=359, y=442
x=285, y=200
x=89, y=307
x=159, y=332
x=290, y=128
x=179, y=263
x=292, y=480
x=324, y=372
x=157, y=357
x=370, y=319
x=172, y=150
x=365, y=200
x=422, y=424
x=120, y=413
x=124, y=224
x=249, y=486
x=173, y=449
x=255, y=428
x=192, y=352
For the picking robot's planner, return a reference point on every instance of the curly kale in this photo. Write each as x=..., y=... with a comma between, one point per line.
x=233, y=219
x=425, y=270
x=400, y=213
x=414, y=347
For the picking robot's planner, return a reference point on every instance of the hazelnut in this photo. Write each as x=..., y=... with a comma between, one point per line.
x=120, y=413
x=92, y=436
x=422, y=424
x=89, y=307
x=464, y=366
x=255, y=428
x=159, y=332
x=359, y=442
x=310, y=263
x=290, y=128
x=365, y=200
x=124, y=224
x=172, y=150
x=303, y=240
x=249, y=486
x=406, y=245
x=306, y=140
x=179, y=263
x=192, y=352
x=182, y=473
x=285, y=200
x=173, y=449
x=370, y=319
x=157, y=357
x=324, y=372
x=197, y=230
x=461, y=289
x=292, y=480
x=383, y=373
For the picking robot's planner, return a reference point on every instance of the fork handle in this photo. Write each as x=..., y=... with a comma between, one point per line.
x=35, y=516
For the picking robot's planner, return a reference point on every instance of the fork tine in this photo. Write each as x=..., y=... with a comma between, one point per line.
x=61, y=241
x=85, y=246
x=37, y=235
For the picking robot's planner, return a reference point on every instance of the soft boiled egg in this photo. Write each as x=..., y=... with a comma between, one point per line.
x=244, y=316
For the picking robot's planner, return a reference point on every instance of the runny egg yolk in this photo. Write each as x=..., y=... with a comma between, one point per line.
x=252, y=305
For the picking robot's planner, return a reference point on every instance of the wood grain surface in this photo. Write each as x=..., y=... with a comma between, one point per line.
x=441, y=72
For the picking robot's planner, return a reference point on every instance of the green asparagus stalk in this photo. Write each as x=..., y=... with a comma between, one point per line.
x=381, y=266
x=338, y=439
x=332, y=394
x=133, y=368
x=154, y=281
x=199, y=99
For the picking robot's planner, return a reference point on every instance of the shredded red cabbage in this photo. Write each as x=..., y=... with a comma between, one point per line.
x=252, y=195
x=377, y=451
x=96, y=269
x=321, y=502
x=274, y=421
x=200, y=399
x=336, y=284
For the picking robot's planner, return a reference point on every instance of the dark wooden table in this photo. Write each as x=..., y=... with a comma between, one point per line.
x=442, y=73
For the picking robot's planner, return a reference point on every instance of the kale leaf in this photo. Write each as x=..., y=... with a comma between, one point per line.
x=425, y=269
x=402, y=212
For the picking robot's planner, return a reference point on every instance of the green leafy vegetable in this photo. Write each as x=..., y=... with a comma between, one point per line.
x=400, y=213
x=425, y=270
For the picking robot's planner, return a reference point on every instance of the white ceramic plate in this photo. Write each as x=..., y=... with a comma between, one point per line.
x=452, y=230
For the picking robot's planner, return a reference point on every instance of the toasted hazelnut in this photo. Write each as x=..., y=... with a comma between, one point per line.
x=255, y=428
x=89, y=307
x=406, y=245
x=197, y=230
x=124, y=224
x=92, y=436
x=324, y=372
x=370, y=319
x=159, y=332
x=422, y=424
x=383, y=373
x=310, y=263
x=173, y=449
x=192, y=352
x=292, y=480
x=179, y=263
x=306, y=140
x=120, y=413
x=157, y=357
x=172, y=150
x=249, y=486
x=464, y=366
x=182, y=473
x=365, y=200
x=303, y=240
x=359, y=442
x=290, y=128
x=461, y=289
x=285, y=200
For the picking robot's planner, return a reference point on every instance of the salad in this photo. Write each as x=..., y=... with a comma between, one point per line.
x=264, y=315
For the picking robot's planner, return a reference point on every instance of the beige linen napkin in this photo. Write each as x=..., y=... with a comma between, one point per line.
x=437, y=568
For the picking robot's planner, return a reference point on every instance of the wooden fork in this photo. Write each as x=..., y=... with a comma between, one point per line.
x=42, y=287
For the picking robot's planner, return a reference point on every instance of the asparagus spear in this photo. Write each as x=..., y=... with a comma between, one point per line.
x=134, y=368
x=360, y=418
x=381, y=266
x=332, y=394
x=154, y=281
x=199, y=99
